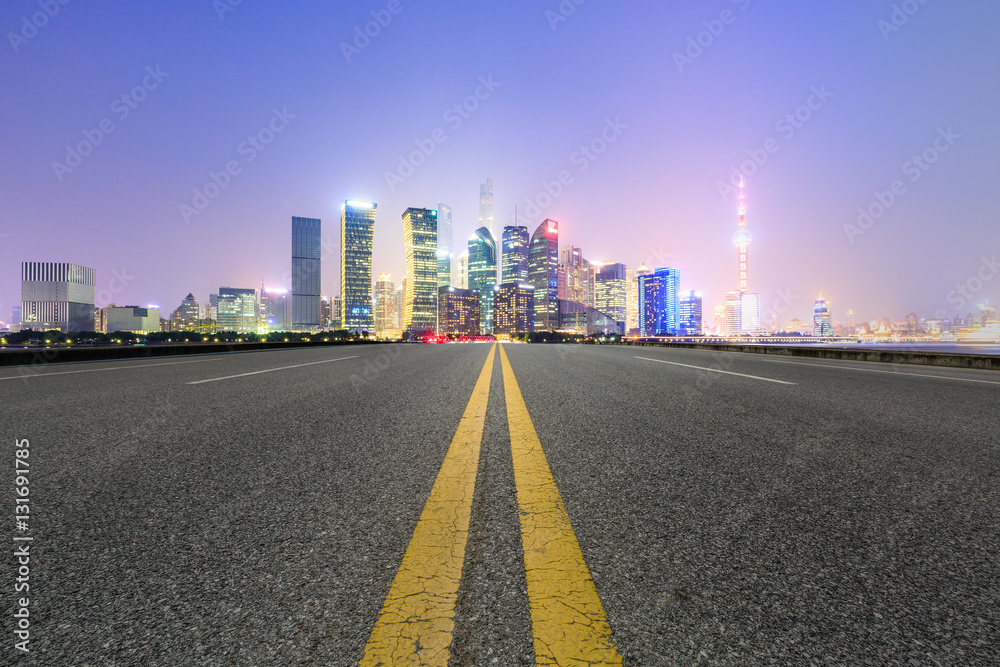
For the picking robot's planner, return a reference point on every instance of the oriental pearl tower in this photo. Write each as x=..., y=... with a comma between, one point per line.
x=741, y=239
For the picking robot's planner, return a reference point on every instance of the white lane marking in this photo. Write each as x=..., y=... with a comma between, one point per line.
x=875, y=370
x=271, y=370
x=28, y=376
x=716, y=370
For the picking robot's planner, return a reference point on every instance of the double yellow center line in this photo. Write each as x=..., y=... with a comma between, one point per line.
x=417, y=620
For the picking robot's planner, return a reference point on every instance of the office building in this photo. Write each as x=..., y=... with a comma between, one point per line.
x=132, y=319
x=821, y=318
x=445, y=246
x=357, y=226
x=237, y=310
x=483, y=273
x=57, y=295
x=462, y=271
x=574, y=272
x=690, y=315
x=458, y=311
x=336, y=313
x=306, y=267
x=632, y=299
x=514, y=254
x=385, y=304
x=513, y=309
x=420, y=248
x=486, y=205
x=610, y=291
x=543, y=274
x=275, y=309
x=659, y=302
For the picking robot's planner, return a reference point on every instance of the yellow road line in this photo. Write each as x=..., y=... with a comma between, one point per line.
x=416, y=622
x=567, y=619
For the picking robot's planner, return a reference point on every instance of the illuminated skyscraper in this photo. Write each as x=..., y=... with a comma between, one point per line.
x=357, y=226
x=514, y=256
x=483, y=273
x=486, y=205
x=237, y=310
x=610, y=291
x=573, y=274
x=690, y=317
x=55, y=295
x=821, y=318
x=462, y=271
x=306, y=267
x=445, y=247
x=658, y=303
x=385, y=303
x=543, y=274
x=458, y=311
x=420, y=247
x=513, y=309
x=632, y=299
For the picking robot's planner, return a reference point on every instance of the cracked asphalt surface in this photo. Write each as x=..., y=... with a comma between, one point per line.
x=850, y=518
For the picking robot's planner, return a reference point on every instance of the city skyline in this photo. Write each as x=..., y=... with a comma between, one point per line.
x=813, y=167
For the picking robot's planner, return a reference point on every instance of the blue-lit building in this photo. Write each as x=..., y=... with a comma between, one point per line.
x=306, y=263
x=483, y=273
x=821, y=318
x=357, y=229
x=543, y=274
x=690, y=314
x=514, y=255
x=659, y=305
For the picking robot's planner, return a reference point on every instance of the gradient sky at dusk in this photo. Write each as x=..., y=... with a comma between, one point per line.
x=651, y=196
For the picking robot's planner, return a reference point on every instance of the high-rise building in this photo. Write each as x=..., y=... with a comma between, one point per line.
x=420, y=248
x=400, y=294
x=659, y=303
x=821, y=318
x=446, y=246
x=610, y=291
x=57, y=295
x=849, y=316
x=483, y=273
x=132, y=319
x=306, y=266
x=574, y=272
x=458, y=311
x=385, y=303
x=336, y=313
x=276, y=309
x=514, y=255
x=486, y=205
x=462, y=271
x=237, y=310
x=632, y=299
x=690, y=316
x=513, y=309
x=543, y=274
x=357, y=226
x=187, y=311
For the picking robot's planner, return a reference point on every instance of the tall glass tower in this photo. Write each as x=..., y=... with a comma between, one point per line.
x=543, y=274
x=610, y=291
x=691, y=318
x=483, y=273
x=357, y=227
x=514, y=255
x=420, y=245
x=486, y=205
x=446, y=246
x=306, y=266
x=658, y=303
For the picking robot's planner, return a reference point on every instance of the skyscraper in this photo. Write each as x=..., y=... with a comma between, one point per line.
x=57, y=296
x=610, y=291
x=462, y=271
x=446, y=246
x=543, y=274
x=573, y=274
x=658, y=302
x=420, y=246
x=632, y=299
x=821, y=318
x=690, y=315
x=357, y=226
x=187, y=312
x=458, y=311
x=306, y=266
x=513, y=309
x=385, y=303
x=276, y=309
x=486, y=205
x=237, y=310
x=514, y=255
x=483, y=273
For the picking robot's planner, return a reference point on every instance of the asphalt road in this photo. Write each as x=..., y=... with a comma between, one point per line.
x=790, y=511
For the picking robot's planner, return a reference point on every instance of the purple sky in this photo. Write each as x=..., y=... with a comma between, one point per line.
x=652, y=195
